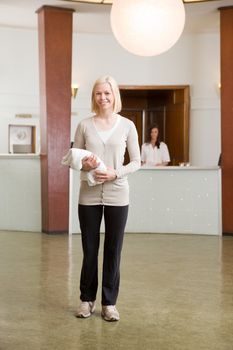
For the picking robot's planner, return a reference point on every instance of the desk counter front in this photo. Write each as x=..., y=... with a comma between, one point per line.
x=20, y=189
x=182, y=200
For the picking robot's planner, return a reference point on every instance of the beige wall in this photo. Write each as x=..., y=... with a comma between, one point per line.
x=194, y=60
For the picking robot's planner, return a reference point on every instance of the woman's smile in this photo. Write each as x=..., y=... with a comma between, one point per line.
x=104, y=96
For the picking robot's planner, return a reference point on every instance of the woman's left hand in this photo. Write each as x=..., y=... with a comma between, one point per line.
x=108, y=175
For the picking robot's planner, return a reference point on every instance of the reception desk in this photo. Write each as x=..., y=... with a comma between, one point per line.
x=185, y=200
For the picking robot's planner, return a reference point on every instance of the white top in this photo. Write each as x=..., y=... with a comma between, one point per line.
x=154, y=155
x=104, y=135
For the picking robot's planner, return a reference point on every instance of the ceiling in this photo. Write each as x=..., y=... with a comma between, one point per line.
x=94, y=18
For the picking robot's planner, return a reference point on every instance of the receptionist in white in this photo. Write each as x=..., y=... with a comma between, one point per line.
x=154, y=152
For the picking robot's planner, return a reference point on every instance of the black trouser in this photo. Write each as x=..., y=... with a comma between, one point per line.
x=115, y=218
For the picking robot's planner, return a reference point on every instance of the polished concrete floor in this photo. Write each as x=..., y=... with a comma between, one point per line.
x=176, y=294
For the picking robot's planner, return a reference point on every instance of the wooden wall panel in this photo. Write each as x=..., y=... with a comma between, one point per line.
x=226, y=32
x=55, y=60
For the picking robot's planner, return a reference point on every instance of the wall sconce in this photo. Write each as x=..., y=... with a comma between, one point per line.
x=74, y=90
x=218, y=89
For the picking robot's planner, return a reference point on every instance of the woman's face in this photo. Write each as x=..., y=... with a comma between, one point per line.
x=104, y=96
x=154, y=134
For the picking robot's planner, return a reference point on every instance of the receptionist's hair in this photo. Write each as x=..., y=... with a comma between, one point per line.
x=148, y=137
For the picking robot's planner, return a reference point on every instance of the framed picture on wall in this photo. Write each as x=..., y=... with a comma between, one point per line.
x=22, y=138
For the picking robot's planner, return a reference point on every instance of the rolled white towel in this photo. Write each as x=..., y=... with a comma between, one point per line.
x=74, y=158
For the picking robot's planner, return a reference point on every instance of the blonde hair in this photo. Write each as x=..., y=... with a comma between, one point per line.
x=115, y=90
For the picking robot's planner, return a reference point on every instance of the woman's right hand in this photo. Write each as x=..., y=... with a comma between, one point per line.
x=89, y=163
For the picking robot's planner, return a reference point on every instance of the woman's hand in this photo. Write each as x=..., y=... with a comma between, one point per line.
x=89, y=163
x=108, y=175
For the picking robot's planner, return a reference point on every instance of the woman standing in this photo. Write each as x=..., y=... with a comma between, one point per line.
x=106, y=134
x=154, y=152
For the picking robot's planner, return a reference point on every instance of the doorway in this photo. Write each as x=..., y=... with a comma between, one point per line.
x=167, y=106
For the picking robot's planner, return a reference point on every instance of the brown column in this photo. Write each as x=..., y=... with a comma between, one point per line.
x=55, y=60
x=226, y=34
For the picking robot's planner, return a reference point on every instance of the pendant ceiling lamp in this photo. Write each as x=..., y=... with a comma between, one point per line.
x=147, y=27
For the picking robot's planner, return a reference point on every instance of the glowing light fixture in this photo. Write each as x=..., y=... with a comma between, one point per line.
x=147, y=27
x=74, y=90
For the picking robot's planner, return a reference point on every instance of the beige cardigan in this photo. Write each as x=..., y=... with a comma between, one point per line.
x=112, y=154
